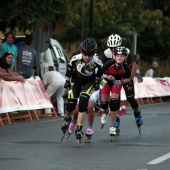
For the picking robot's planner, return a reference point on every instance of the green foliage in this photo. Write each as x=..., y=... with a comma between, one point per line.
x=149, y=19
x=28, y=14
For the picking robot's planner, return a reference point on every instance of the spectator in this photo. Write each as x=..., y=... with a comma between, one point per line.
x=54, y=83
x=137, y=60
x=153, y=72
x=8, y=46
x=5, y=69
x=26, y=58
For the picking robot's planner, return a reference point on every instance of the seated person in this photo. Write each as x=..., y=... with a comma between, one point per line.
x=6, y=72
x=153, y=72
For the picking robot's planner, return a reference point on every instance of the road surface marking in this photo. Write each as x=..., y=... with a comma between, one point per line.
x=160, y=159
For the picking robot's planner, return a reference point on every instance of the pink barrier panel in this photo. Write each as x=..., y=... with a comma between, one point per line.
x=31, y=95
x=150, y=87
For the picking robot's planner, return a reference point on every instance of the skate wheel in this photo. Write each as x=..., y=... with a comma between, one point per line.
x=140, y=130
x=62, y=136
x=87, y=139
x=117, y=132
x=68, y=135
x=78, y=143
x=111, y=138
x=102, y=126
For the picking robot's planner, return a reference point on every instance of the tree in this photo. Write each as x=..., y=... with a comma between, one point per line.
x=28, y=15
x=149, y=19
x=154, y=41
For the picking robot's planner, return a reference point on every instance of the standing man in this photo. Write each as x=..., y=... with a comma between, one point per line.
x=26, y=58
x=8, y=46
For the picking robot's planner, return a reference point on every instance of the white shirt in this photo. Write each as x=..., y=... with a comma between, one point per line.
x=53, y=77
x=149, y=73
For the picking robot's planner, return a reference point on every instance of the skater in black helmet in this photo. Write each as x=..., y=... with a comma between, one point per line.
x=84, y=72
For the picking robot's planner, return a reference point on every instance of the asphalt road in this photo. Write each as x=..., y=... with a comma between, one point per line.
x=36, y=145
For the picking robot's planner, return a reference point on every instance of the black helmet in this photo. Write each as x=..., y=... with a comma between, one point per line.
x=121, y=50
x=88, y=46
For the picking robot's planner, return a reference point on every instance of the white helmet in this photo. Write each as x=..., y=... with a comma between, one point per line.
x=114, y=40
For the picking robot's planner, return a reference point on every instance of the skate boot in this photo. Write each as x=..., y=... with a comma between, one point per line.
x=70, y=129
x=139, y=120
x=117, y=124
x=89, y=133
x=79, y=134
x=112, y=133
x=65, y=126
x=104, y=118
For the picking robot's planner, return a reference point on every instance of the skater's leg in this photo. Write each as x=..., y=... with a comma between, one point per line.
x=104, y=106
x=82, y=107
x=138, y=118
x=114, y=110
x=67, y=119
x=91, y=113
x=114, y=105
x=105, y=96
x=73, y=122
x=134, y=104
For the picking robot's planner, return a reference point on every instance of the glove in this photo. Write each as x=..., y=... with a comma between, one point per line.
x=97, y=85
x=131, y=84
x=67, y=84
x=110, y=77
x=140, y=79
x=117, y=83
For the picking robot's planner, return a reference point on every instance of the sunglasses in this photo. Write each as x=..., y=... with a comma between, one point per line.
x=87, y=55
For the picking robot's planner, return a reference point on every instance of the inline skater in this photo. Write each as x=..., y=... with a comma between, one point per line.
x=91, y=113
x=84, y=71
x=114, y=41
x=117, y=73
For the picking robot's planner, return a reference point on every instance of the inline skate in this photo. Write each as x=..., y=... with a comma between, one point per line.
x=112, y=133
x=79, y=135
x=139, y=121
x=70, y=129
x=89, y=133
x=104, y=118
x=117, y=124
x=65, y=126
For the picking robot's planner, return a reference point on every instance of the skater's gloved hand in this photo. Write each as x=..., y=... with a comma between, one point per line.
x=109, y=77
x=97, y=84
x=67, y=84
x=130, y=85
x=117, y=83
